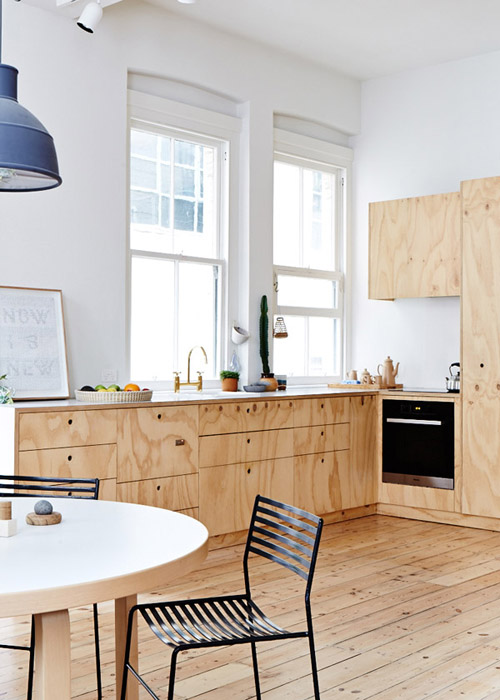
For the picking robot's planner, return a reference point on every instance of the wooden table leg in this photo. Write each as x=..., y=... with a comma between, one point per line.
x=52, y=656
x=122, y=607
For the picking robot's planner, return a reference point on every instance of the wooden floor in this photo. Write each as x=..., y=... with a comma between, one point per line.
x=403, y=610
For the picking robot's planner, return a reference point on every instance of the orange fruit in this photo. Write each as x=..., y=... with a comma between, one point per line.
x=131, y=387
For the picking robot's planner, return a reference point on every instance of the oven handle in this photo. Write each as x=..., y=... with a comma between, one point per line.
x=414, y=421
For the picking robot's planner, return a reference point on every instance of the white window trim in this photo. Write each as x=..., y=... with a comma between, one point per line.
x=306, y=151
x=151, y=111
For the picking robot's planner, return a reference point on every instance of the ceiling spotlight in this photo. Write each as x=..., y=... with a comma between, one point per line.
x=187, y=2
x=90, y=17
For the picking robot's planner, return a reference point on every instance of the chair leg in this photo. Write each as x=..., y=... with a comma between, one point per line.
x=31, y=667
x=171, y=680
x=255, y=670
x=97, y=652
x=314, y=667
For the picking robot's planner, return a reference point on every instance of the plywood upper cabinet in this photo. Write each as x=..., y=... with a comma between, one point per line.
x=415, y=247
x=480, y=347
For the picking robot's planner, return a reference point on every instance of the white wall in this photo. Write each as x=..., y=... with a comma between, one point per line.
x=422, y=133
x=74, y=237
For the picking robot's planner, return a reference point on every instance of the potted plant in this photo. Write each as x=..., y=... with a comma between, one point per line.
x=267, y=377
x=229, y=380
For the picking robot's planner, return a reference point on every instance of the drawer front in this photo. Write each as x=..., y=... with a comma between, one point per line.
x=66, y=429
x=235, y=448
x=107, y=490
x=318, y=481
x=227, y=493
x=95, y=462
x=173, y=493
x=157, y=442
x=217, y=419
x=321, y=438
x=321, y=411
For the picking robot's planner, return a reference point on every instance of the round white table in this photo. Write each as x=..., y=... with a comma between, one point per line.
x=100, y=551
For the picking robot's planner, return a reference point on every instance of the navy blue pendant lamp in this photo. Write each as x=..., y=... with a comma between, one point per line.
x=28, y=160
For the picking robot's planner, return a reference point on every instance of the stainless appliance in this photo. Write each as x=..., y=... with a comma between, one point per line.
x=418, y=443
x=453, y=381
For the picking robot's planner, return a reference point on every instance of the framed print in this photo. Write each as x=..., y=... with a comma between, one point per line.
x=32, y=343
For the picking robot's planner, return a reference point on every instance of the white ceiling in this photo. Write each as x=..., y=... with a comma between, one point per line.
x=361, y=38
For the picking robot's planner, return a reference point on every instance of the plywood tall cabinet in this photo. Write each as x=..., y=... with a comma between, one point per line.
x=481, y=346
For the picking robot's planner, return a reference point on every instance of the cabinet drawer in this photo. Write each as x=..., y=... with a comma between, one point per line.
x=235, y=448
x=321, y=411
x=321, y=482
x=94, y=462
x=174, y=493
x=157, y=442
x=66, y=429
x=321, y=438
x=107, y=490
x=245, y=416
x=227, y=493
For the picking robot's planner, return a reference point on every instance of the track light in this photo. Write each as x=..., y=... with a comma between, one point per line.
x=90, y=17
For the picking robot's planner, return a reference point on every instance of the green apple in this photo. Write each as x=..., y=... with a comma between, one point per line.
x=100, y=387
x=113, y=387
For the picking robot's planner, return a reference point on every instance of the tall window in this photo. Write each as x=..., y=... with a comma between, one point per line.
x=176, y=209
x=308, y=252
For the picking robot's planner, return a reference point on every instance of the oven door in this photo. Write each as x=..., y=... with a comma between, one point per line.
x=418, y=443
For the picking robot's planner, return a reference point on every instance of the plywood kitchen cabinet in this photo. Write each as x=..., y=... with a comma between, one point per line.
x=72, y=444
x=158, y=456
x=245, y=449
x=414, y=248
x=481, y=347
x=361, y=487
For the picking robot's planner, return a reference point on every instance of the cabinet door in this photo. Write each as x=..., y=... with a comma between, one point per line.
x=174, y=493
x=415, y=247
x=481, y=347
x=66, y=428
x=216, y=419
x=235, y=448
x=360, y=487
x=94, y=462
x=227, y=493
x=320, y=411
x=319, y=481
x=321, y=438
x=157, y=442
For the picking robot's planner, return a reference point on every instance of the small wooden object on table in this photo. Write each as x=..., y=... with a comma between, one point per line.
x=8, y=524
x=50, y=519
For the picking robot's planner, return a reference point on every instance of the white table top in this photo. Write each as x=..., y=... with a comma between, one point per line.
x=100, y=550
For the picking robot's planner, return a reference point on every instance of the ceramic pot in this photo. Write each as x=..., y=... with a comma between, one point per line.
x=229, y=384
x=269, y=380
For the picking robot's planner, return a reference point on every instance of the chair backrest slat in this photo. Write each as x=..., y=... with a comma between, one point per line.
x=49, y=487
x=286, y=535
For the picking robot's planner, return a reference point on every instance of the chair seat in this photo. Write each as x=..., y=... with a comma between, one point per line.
x=211, y=621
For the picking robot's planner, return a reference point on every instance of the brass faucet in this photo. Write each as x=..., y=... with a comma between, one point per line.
x=199, y=382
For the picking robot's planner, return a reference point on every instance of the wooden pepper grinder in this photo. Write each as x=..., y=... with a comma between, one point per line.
x=8, y=524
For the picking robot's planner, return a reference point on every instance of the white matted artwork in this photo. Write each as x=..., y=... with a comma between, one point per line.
x=32, y=343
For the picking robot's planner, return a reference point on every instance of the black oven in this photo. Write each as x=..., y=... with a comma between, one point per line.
x=418, y=443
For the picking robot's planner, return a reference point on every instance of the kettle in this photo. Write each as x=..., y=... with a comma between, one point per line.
x=389, y=373
x=453, y=382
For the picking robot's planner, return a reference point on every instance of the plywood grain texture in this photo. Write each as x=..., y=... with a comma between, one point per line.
x=414, y=248
x=481, y=347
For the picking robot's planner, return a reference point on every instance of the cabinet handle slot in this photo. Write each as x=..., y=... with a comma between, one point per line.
x=249, y=471
x=248, y=440
x=322, y=433
x=158, y=488
x=70, y=421
x=159, y=416
x=180, y=442
x=70, y=458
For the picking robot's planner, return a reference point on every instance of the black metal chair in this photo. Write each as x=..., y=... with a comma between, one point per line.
x=284, y=534
x=49, y=487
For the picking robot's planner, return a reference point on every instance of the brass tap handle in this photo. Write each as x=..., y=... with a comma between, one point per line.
x=177, y=382
x=199, y=383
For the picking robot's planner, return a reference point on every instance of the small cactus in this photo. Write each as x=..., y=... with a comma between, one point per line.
x=264, y=335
